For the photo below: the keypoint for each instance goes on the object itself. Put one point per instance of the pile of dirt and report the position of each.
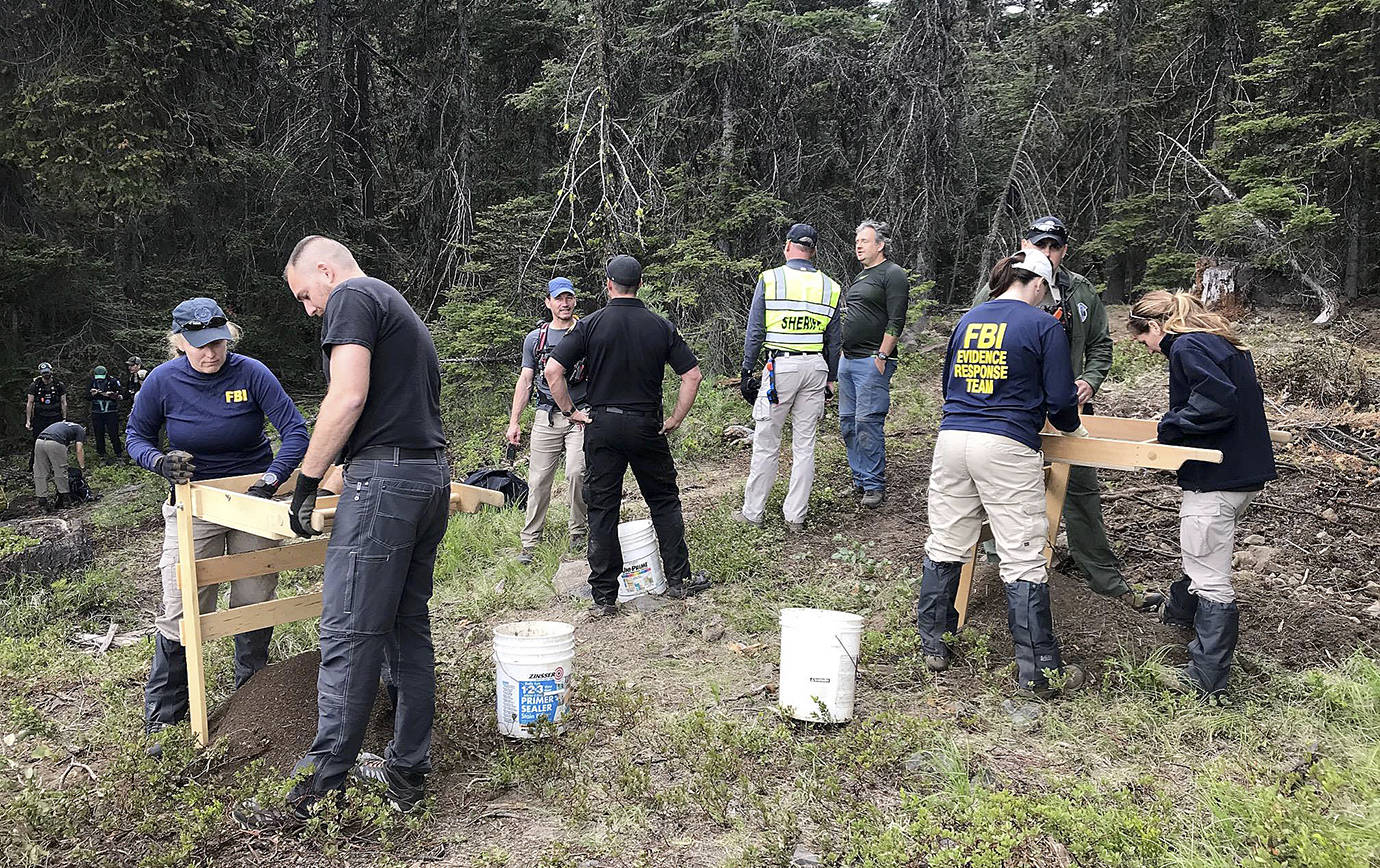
(273, 716)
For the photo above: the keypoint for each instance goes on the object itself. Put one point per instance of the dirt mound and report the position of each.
(273, 716)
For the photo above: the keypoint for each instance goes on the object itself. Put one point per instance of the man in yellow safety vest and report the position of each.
(794, 316)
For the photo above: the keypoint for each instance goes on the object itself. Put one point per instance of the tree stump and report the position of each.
(1217, 286)
(44, 547)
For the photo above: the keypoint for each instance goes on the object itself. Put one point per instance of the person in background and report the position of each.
(50, 461)
(794, 315)
(874, 313)
(1215, 402)
(1005, 373)
(553, 435)
(212, 404)
(1075, 303)
(47, 403)
(134, 379)
(105, 420)
(627, 349)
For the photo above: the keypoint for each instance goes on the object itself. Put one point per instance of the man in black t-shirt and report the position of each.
(382, 415)
(626, 349)
(50, 460)
(47, 403)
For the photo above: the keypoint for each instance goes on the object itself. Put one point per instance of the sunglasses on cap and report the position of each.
(193, 325)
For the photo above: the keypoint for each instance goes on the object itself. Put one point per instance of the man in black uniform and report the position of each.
(135, 380)
(626, 348)
(382, 413)
(47, 404)
(105, 421)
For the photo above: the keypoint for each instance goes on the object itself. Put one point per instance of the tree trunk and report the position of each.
(325, 49)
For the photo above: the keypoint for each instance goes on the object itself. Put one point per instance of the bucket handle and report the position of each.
(851, 658)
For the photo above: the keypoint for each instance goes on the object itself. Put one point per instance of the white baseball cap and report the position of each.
(1038, 264)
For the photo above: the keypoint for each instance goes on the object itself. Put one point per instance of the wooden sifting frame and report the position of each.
(1114, 443)
(224, 502)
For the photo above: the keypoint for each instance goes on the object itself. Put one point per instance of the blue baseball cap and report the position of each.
(560, 285)
(200, 321)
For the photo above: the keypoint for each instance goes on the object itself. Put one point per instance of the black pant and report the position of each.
(105, 425)
(39, 423)
(389, 522)
(614, 442)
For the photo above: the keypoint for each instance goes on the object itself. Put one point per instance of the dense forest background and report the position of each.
(468, 150)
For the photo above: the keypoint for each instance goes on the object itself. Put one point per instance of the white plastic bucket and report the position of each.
(642, 569)
(534, 662)
(819, 655)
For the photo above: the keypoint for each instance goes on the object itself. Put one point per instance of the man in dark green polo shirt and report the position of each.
(1084, 317)
(874, 313)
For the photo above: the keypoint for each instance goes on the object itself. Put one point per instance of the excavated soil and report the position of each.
(273, 716)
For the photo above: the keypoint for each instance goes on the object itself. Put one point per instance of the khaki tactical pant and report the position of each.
(552, 438)
(800, 384)
(50, 460)
(975, 473)
(1207, 529)
(212, 540)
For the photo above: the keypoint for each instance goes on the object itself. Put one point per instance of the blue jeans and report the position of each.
(388, 524)
(864, 399)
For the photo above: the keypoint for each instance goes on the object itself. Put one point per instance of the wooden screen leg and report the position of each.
(191, 615)
(1056, 489)
(965, 585)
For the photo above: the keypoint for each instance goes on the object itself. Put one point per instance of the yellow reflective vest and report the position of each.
(799, 305)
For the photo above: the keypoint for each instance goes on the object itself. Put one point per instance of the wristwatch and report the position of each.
(881, 355)
(271, 478)
(567, 413)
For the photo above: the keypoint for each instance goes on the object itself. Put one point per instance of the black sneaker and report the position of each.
(697, 583)
(251, 816)
(603, 610)
(403, 792)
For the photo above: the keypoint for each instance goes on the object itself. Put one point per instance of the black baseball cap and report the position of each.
(1048, 227)
(624, 270)
(803, 234)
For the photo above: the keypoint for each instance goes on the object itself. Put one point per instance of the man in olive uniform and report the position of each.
(1079, 308)
(47, 404)
(794, 315)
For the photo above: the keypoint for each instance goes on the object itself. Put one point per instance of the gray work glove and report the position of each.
(176, 466)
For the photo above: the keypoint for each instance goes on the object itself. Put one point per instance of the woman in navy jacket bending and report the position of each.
(1215, 402)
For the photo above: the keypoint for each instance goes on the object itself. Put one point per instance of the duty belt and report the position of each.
(622, 411)
(775, 353)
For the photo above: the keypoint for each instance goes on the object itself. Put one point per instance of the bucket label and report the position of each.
(539, 698)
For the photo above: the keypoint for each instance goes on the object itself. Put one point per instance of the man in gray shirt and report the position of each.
(553, 434)
(50, 460)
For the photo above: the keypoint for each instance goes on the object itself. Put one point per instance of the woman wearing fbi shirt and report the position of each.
(1006, 371)
(213, 404)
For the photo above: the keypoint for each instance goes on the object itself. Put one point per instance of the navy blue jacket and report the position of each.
(1006, 370)
(1215, 402)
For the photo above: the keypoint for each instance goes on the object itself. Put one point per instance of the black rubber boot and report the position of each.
(1032, 636)
(251, 654)
(936, 614)
(165, 695)
(1182, 605)
(1217, 626)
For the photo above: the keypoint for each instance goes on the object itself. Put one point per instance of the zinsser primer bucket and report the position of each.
(534, 663)
(642, 569)
(819, 654)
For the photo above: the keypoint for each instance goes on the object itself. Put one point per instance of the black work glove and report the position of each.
(750, 384)
(263, 488)
(304, 504)
(176, 466)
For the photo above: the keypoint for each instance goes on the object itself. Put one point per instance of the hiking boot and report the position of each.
(936, 662)
(935, 613)
(1176, 680)
(151, 729)
(578, 542)
(1148, 602)
(795, 526)
(603, 610)
(251, 816)
(873, 499)
(743, 519)
(1075, 679)
(402, 791)
(679, 590)
(527, 555)
(64, 501)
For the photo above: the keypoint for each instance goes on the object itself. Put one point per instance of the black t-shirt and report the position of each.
(65, 433)
(403, 407)
(873, 307)
(626, 349)
(47, 397)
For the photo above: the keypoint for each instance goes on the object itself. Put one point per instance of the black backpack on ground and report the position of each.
(501, 479)
(78, 490)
